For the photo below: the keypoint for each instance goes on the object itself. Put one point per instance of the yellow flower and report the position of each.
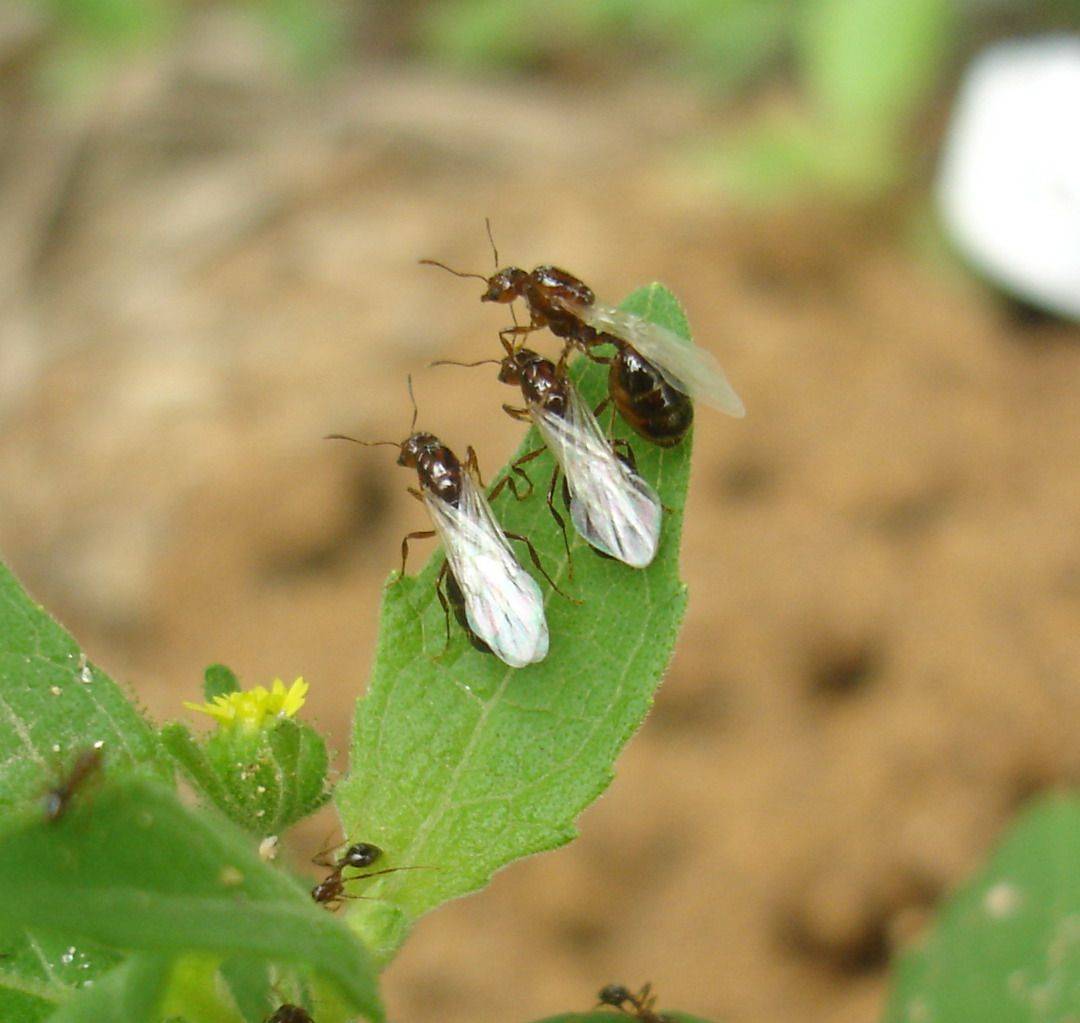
(250, 708)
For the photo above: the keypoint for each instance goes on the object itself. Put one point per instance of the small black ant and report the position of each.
(618, 996)
(330, 891)
(288, 1013)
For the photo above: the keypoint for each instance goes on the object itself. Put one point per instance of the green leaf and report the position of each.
(53, 705)
(219, 680)
(265, 780)
(136, 870)
(40, 971)
(248, 981)
(463, 765)
(130, 992)
(1006, 948)
(870, 61)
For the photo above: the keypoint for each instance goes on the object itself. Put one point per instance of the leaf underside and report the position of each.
(461, 764)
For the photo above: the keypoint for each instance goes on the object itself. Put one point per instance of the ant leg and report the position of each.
(320, 859)
(624, 453)
(521, 414)
(422, 534)
(559, 519)
(536, 561)
(514, 331)
(473, 466)
(416, 493)
(440, 582)
(515, 468)
(598, 411)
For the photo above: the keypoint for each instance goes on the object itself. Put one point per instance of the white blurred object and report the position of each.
(1009, 184)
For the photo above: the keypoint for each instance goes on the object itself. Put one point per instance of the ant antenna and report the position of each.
(491, 238)
(412, 398)
(366, 443)
(456, 273)
(466, 365)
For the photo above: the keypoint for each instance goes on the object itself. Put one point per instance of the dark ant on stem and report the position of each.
(638, 1006)
(289, 1013)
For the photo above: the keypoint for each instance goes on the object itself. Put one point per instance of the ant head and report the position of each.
(289, 1013)
(361, 854)
(505, 285)
(514, 365)
(614, 994)
(414, 446)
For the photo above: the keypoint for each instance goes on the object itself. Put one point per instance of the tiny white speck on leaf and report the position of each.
(1002, 900)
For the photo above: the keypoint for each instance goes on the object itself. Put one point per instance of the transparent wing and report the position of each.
(503, 603)
(686, 367)
(611, 506)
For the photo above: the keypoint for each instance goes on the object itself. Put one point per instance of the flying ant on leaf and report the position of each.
(611, 506)
(653, 374)
(497, 603)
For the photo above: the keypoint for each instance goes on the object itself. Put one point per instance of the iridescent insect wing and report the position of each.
(611, 506)
(686, 367)
(503, 604)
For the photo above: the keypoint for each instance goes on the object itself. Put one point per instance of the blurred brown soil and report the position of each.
(209, 269)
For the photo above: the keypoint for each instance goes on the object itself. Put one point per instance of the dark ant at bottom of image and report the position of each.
(290, 1014)
(638, 1006)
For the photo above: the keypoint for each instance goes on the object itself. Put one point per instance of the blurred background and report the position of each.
(210, 217)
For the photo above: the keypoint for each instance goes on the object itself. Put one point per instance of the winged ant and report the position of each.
(653, 374)
(496, 602)
(611, 506)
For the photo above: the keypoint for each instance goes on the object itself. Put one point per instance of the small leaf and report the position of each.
(130, 992)
(265, 780)
(1006, 948)
(218, 680)
(137, 870)
(463, 765)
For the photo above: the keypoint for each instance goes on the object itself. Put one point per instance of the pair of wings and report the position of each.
(503, 603)
(611, 506)
(689, 369)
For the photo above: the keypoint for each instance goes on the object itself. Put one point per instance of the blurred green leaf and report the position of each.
(873, 60)
(53, 705)
(1006, 947)
(463, 765)
(474, 34)
(136, 870)
(130, 992)
(793, 156)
